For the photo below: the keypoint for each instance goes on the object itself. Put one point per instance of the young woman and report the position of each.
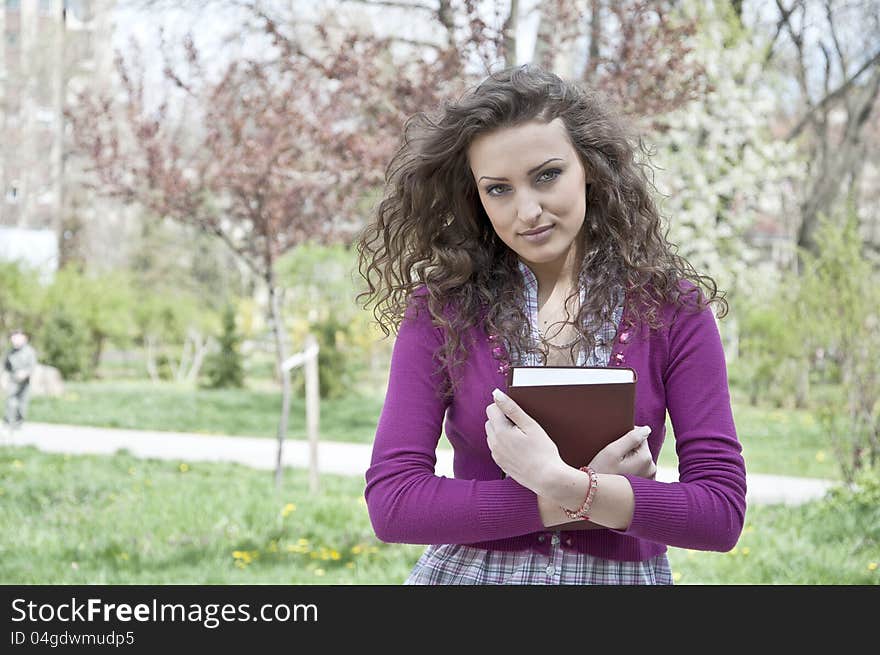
(518, 228)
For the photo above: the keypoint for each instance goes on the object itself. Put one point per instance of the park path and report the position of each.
(333, 456)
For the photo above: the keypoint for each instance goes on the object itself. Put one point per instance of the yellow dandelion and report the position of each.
(18, 464)
(123, 556)
(131, 470)
(319, 572)
(288, 509)
(184, 467)
(746, 550)
(820, 456)
(872, 566)
(314, 555)
(273, 547)
(334, 555)
(676, 577)
(350, 565)
(303, 542)
(357, 550)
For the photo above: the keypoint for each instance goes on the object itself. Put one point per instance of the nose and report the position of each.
(528, 209)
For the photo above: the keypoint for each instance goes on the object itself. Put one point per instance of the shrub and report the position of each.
(65, 343)
(334, 372)
(224, 369)
(837, 311)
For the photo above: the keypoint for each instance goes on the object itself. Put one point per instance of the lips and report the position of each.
(537, 230)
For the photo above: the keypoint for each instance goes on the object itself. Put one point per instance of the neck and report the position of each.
(556, 276)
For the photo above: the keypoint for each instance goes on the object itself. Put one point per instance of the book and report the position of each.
(582, 409)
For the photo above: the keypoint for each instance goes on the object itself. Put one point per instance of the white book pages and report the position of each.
(550, 376)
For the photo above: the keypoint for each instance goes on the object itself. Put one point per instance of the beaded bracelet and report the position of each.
(584, 511)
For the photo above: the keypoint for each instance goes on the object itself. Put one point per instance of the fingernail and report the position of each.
(646, 429)
(497, 394)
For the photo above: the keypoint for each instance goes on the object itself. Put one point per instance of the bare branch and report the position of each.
(391, 3)
(783, 19)
(829, 15)
(798, 39)
(834, 95)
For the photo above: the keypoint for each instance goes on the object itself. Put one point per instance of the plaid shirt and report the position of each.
(460, 564)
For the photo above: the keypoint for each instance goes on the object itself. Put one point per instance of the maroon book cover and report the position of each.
(579, 407)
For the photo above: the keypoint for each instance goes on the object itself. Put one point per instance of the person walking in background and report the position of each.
(19, 361)
(518, 228)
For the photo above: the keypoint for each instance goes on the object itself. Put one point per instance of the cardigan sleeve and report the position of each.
(406, 501)
(705, 509)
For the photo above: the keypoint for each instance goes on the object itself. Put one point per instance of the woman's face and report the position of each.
(532, 185)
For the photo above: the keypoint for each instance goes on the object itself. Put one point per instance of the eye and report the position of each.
(552, 172)
(490, 189)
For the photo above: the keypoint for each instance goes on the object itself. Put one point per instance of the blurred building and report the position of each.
(50, 50)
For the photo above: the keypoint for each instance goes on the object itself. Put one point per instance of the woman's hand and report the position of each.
(628, 455)
(520, 446)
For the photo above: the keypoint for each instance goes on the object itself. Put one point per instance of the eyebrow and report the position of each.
(530, 171)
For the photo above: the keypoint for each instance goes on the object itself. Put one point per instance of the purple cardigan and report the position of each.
(680, 368)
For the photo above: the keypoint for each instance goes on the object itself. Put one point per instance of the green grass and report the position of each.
(775, 441)
(121, 520)
(832, 541)
(177, 408)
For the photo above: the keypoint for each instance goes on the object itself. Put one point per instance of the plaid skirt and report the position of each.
(458, 564)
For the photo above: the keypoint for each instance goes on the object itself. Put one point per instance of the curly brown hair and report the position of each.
(432, 231)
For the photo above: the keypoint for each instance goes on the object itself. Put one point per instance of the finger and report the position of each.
(513, 411)
(496, 416)
(633, 439)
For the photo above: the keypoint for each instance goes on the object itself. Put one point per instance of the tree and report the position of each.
(279, 154)
(832, 50)
(639, 52)
(721, 168)
(100, 303)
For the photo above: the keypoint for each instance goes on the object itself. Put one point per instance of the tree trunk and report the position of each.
(201, 347)
(99, 349)
(280, 357)
(183, 363)
(595, 39)
(152, 369)
(544, 50)
(510, 27)
(842, 162)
